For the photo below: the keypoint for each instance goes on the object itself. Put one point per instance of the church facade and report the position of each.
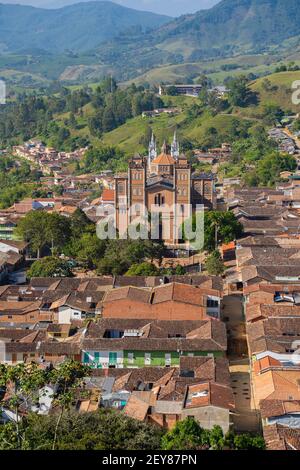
(165, 185)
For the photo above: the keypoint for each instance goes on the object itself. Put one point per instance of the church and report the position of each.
(161, 182)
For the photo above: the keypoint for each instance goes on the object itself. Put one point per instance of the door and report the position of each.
(86, 358)
(112, 360)
(168, 359)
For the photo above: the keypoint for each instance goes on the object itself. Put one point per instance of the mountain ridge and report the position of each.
(78, 27)
(230, 28)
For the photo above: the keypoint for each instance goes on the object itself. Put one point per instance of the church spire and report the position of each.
(152, 152)
(175, 150)
(164, 148)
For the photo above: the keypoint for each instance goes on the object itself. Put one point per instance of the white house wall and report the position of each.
(66, 314)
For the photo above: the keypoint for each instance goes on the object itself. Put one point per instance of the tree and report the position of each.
(25, 382)
(88, 249)
(179, 270)
(220, 227)
(58, 230)
(239, 93)
(216, 438)
(43, 229)
(104, 429)
(244, 441)
(270, 167)
(186, 435)
(143, 269)
(68, 377)
(33, 228)
(120, 255)
(214, 264)
(50, 266)
(189, 435)
(296, 125)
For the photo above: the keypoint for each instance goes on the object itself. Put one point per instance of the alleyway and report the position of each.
(246, 418)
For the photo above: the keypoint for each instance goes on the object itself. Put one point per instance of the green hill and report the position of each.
(78, 27)
(132, 136)
(275, 89)
(232, 27)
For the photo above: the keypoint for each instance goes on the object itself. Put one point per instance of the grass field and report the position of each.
(131, 136)
(276, 90)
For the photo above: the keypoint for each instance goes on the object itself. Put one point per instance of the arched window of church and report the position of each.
(163, 201)
(207, 188)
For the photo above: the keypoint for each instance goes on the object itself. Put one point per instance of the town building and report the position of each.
(163, 185)
(187, 90)
(113, 343)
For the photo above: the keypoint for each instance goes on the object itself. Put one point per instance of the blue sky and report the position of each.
(167, 7)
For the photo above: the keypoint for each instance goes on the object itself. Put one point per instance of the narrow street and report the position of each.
(246, 417)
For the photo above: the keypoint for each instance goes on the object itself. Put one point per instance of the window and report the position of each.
(147, 359)
(207, 189)
(158, 200)
(130, 358)
(97, 357)
(212, 303)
